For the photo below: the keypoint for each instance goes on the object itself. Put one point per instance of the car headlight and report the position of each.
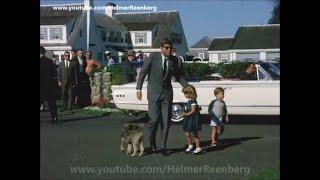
(177, 110)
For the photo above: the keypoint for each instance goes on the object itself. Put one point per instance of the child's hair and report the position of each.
(190, 89)
(218, 90)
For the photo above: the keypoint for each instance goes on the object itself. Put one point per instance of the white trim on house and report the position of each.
(198, 49)
(146, 12)
(148, 38)
(58, 48)
(147, 49)
(260, 25)
(223, 37)
(48, 27)
(245, 50)
(254, 50)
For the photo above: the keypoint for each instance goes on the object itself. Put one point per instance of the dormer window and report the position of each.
(55, 33)
(43, 33)
(141, 38)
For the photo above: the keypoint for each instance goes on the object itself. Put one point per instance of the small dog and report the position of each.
(132, 135)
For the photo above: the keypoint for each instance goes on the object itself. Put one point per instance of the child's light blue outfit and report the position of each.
(217, 111)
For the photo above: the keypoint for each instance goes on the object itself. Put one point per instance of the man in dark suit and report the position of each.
(48, 84)
(128, 73)
(67, 76)
(83, 90)
(160, 67)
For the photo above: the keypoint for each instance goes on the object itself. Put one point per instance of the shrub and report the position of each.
(232, 70)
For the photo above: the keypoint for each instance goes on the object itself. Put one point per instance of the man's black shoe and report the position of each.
(164, 152)
(151, 150)
(55, 120)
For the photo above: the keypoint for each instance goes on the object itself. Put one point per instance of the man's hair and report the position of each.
(165, 41)
(42, 50)
(251, 64)
(66, 52)
(74, 50)
(79, 50)
(190, 89)
(218, 90)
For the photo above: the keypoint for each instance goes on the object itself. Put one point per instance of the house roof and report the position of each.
(164, 20)
(257, 37)
(49, 16)
(203, 43)
(108, 22)
(138, 26)
(220, 44)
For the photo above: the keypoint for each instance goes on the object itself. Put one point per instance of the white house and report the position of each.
(200, 49)
(254, 42)
(147, 29)
(63, 30)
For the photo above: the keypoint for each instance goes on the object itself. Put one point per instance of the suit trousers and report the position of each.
(159, 112)
(67, 96)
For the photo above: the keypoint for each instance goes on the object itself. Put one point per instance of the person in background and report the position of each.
(249, 74)
(180, 59)
(91, 66)
(139, 62)
(83, 89)
(91, 63)
(73, 53)
(110, 60)
(48, 84)
(67, 77)
(128, 74)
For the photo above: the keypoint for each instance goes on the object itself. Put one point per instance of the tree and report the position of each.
(275, 18)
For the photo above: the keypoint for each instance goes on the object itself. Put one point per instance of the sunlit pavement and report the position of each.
(93, 144)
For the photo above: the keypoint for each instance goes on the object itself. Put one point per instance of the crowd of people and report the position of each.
(73, 75)
(73, 78)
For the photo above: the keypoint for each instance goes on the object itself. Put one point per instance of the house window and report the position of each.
(44, 33)
(119, 37)
(141, 38)
(111, 37)
(224, 57)
(100, 56)
(201, 55)
(103, 35)
(55, 33)
(80, 33)
(127, 38)
(176, 38)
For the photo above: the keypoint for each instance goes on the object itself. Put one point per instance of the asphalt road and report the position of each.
(93, 144)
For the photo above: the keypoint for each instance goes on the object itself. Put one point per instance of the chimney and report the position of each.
(109, 9)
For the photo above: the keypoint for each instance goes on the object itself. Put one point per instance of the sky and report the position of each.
(212, 18)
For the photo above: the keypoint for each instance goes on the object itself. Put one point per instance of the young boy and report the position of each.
(218, 112)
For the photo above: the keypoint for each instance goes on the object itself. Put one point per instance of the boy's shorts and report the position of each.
(216, 122)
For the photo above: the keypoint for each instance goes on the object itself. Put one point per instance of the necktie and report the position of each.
(165, 66)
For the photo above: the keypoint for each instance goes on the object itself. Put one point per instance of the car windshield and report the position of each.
(272, 69)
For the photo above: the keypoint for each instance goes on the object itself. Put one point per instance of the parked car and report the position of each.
(259, 97)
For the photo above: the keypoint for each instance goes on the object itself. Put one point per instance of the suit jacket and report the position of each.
(127, 72)
(81, 73)
(68, 75)
(47, 74)
(158, 82)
